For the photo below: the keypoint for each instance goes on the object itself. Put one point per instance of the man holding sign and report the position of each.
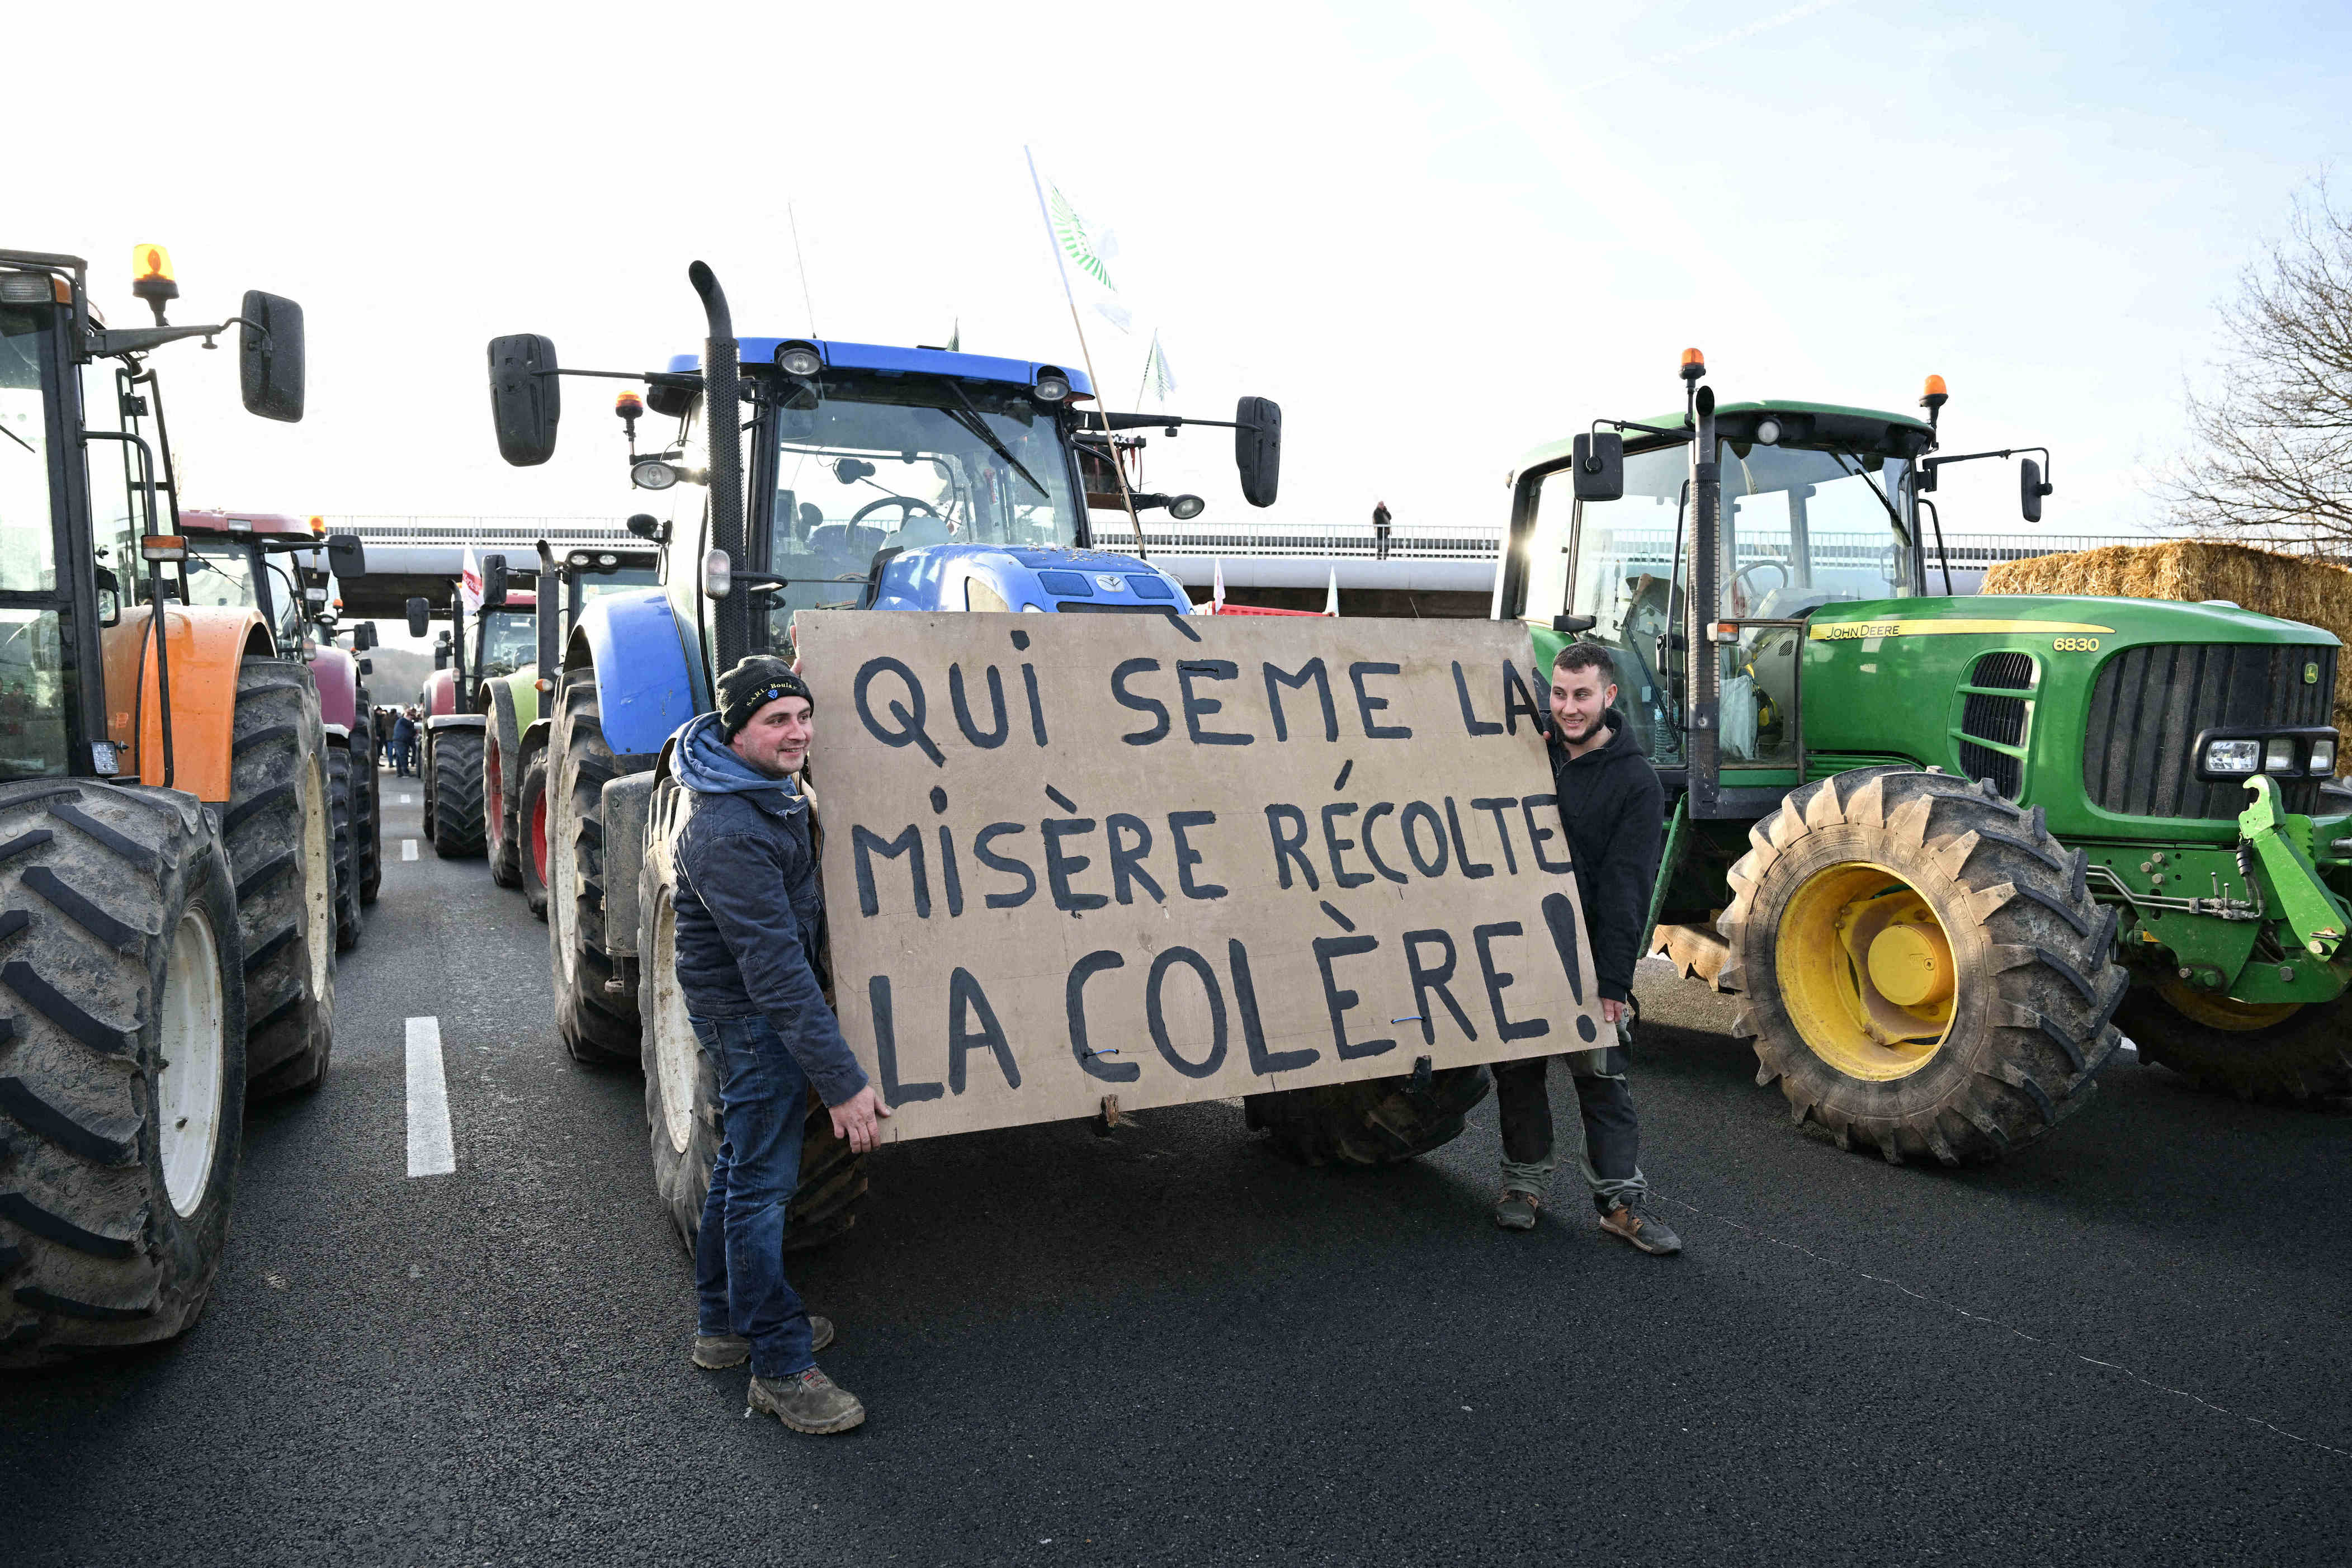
(1611, 802)
(750, 918)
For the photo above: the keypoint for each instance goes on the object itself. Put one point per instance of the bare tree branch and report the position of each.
(2273, 459)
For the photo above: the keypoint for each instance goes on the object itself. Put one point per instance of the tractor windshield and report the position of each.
(1801, 529)
(33, 690)
(509, 641)
(868, 463)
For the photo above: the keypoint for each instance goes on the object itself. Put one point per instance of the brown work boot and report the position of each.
(1648, 1232)
(807, 1402)
(717, 1353)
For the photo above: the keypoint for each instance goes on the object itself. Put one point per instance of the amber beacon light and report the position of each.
(1694, 364)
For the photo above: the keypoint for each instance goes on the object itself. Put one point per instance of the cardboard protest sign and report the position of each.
(1173, 859)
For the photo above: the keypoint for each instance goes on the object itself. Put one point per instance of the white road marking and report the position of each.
(430, 1150)
(408, 800)
(408, 848)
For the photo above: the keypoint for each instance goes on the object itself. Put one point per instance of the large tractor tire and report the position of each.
(682, 1106)
(1922, 965)
(282, 851)
(502, 839)
(344, 789)
(1373, 1122)
(366, 761)
(530, 812)
(122, 1066)
(420, 751)
(456, 794)
(2284, 1052)
(596, 1008)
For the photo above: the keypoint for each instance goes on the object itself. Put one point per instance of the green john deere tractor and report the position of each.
(1940, 845)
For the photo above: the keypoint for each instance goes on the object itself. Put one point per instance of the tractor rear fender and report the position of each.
(534, 738)
(336, 674)
(627, 801)
(499, 708)
(206, 644)
(647, 668)
(456, 722)
(440, 693)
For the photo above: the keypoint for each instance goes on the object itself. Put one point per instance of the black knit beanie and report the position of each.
(751, 686)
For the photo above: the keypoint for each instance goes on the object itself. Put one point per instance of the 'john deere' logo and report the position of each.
(2311, 675)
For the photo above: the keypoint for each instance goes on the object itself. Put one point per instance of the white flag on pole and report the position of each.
(1331, 599)
(1217, 588)
(1089, 253)
(469, 585)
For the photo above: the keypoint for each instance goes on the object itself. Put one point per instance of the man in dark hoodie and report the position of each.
(1613, 810)
(750, 925)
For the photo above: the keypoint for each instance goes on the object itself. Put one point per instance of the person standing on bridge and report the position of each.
(751, 923)
(1614, 809)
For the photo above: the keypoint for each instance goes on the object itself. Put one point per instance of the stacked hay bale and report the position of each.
(2292, 587)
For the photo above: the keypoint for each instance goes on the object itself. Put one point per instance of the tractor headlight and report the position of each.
(1767, 432)
(798, 359)
(652, 474)
(1051, 385)
(2278, 755)
(2233, 756)
(2323, 758)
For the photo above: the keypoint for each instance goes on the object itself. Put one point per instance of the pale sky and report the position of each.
(1437, 233)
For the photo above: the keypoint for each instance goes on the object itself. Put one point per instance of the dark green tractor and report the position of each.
(1942, 846)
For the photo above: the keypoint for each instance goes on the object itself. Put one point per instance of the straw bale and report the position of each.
(2292, 587)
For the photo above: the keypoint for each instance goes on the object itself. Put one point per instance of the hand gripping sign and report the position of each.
(1184, 858)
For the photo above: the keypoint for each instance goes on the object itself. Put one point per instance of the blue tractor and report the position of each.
(876, 478)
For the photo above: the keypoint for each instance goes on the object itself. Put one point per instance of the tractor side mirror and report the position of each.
(269, 355)
(2030, 489)
(346, 556)
(364, 636)
(1257, 448)
(1600, 460)
(420, 617)
(494, 582)
(646, 525)
(525, 400)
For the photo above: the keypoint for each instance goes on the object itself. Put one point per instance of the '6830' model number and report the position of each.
(2075, 645)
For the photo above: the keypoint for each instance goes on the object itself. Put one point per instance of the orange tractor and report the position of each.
(167, 929)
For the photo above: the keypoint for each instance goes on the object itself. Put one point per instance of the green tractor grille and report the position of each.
(2000, 720)
(2149, 704)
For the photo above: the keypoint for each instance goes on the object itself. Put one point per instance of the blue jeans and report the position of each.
(738, 1271)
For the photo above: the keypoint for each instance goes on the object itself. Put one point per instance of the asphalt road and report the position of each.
(2130, 1344)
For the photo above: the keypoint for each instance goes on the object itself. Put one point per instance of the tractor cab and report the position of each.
(257, 560)
(877, 477)
(1807, 507)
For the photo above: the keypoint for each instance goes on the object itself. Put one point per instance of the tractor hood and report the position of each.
(2050, 615)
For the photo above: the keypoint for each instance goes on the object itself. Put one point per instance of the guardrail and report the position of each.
(1438, 542)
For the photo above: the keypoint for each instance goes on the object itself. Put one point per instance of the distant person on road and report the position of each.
(1613, 808)
(403, 741)
(750, 925)
(382, 719)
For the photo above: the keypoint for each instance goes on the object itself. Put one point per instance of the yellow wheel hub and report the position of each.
(2222, 1013)
(1865, 969)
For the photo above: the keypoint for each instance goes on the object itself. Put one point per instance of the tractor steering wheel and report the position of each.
(908, 508)
(1739, 598)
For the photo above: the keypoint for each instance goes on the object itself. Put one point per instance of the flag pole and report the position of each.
(1062, 269)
